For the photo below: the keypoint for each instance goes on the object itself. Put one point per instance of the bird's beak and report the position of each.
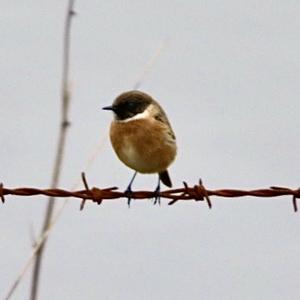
(108, 108)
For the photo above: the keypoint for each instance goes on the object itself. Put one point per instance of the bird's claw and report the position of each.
(157, 195)
(128, 194)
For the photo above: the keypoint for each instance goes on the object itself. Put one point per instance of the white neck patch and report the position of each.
(144, 115)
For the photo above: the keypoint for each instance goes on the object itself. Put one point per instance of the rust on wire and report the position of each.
(95, 194)
(198, 193)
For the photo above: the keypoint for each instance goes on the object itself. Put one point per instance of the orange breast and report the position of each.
(143, 145)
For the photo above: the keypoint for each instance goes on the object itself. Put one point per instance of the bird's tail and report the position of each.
(165, 178)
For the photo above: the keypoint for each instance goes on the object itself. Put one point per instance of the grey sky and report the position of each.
(228, 78)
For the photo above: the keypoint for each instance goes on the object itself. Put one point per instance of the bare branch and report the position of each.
(65, 97)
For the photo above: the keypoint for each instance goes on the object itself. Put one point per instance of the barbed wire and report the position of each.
(196, 192)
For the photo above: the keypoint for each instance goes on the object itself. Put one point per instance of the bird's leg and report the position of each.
(157, 193)
(128, 191)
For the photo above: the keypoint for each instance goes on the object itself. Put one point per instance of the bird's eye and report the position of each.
(131, 105)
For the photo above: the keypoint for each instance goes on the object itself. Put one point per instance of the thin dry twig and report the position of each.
(65, 96)
(149, 65)
(197, 192)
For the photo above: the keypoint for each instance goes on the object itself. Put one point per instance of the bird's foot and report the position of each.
(128, 191)
(157, 195)
(128, 194)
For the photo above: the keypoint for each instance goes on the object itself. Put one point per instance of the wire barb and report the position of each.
(1, 193)
(201, 188)
(94, 194)
(86, 188)
(295, 204)
(296, 195)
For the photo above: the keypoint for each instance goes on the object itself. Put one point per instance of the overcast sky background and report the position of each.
(228, 78)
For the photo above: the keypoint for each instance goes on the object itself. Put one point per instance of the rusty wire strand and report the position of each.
(197, 192)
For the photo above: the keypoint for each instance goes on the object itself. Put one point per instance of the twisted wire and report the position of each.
(197, 192)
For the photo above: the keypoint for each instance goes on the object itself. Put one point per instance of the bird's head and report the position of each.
(130, 104)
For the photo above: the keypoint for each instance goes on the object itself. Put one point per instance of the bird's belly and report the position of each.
(138, 161)
(144, 151)
(144, 162)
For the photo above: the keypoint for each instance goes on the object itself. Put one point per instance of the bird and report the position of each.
(142, 137)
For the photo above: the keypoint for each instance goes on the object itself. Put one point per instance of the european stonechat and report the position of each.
(142, 137)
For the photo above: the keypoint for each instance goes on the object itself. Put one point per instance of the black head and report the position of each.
(129, 104)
